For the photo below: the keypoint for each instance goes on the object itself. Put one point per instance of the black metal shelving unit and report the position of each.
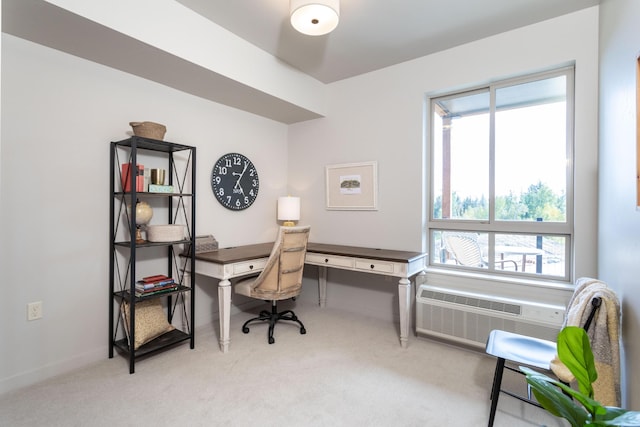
(181, 208)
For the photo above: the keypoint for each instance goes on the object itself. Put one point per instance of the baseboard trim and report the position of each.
(27, 378)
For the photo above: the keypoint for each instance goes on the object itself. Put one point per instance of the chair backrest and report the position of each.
(464, 247)
(282, 276)
(580, 309)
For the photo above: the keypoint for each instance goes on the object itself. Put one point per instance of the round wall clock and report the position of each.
(234, 181)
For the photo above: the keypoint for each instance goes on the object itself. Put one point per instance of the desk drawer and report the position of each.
(249, 266)
(329, 260)
(374, 266)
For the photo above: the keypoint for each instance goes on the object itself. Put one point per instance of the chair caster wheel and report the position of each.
(245, 329)
(303, 331)
(271, 340)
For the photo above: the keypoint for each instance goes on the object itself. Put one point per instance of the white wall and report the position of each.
(379, 116)
(619, 233)
(59, 114)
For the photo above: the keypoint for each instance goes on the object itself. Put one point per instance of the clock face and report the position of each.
(234, 181)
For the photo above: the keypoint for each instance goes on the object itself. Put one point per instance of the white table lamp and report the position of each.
(288, 210)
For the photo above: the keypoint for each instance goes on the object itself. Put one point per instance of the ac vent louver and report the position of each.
(472, 302)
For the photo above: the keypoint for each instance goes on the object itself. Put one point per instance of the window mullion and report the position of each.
(492, 154)
(492, 175)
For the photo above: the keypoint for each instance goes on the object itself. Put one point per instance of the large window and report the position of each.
(501, 177)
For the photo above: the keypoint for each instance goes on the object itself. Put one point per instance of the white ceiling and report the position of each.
(373, 34)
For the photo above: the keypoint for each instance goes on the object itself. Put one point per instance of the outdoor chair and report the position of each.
(466, 251)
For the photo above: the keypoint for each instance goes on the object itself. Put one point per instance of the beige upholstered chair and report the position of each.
(281, 278)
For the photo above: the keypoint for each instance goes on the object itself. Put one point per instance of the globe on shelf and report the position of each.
(144, 213)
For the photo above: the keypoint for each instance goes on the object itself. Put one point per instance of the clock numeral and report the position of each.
(227, 163)
(218, 180)
(238, 203)
(237, 161)
(228, 199)
(246, 200)
(221, 192)
(222, 170)
(252, 172)
(251, 193)
(255, 183)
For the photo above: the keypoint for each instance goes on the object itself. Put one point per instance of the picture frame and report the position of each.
(352, 186)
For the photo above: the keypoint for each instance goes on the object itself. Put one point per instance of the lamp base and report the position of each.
(288, 224)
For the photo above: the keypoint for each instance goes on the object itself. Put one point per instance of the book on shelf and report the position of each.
(151, 285)
(157, 188)
(147, 178)
(126, 177)
(152, 281)
(157, 290)
(156, 278)
(155, 284)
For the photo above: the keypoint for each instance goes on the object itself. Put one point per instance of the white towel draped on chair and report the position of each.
(603, 335)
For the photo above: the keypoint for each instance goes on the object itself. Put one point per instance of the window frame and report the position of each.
(492, 226)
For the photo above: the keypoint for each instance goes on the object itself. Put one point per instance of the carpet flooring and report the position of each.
(348, 370)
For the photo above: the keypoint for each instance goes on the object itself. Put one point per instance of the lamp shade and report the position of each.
(314, 17)
(288, 208)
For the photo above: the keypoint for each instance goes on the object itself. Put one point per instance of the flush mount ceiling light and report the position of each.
(315, 18)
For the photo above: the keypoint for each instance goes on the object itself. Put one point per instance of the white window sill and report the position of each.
(525, 288)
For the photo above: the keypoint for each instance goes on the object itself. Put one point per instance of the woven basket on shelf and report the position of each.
(165, 232)
(148, 130)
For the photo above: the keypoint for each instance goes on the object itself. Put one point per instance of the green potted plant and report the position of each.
(577, 406)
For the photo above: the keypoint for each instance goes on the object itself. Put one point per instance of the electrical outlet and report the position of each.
(34, 310)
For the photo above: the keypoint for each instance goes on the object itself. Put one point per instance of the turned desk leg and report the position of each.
(224, 313)
(404, 298)
(322, 285)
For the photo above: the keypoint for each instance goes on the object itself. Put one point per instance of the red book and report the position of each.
(126, 178)
(156, 278)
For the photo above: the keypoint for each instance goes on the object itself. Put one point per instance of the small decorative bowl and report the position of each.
(165, 233)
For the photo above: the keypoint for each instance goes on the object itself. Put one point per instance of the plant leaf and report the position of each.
(574, 350)
(618, 417)
(551, 398)
(590, 405)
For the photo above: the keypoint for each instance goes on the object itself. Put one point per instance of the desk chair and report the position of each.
(588, 297)
(281, 278)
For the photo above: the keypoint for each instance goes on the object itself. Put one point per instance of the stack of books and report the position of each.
(155, 284)
(126, 177)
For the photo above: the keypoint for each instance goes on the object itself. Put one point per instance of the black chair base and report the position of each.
(274, 317)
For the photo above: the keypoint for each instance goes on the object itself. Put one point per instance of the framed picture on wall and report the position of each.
(352, 186)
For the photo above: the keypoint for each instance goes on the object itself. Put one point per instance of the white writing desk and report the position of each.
(228, 263)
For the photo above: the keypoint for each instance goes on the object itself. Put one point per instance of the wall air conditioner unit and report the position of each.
(468, 317)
